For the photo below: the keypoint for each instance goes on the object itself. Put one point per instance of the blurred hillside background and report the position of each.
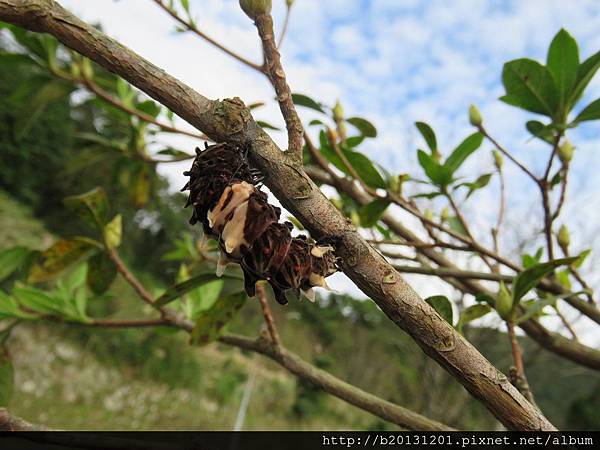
(86, 378)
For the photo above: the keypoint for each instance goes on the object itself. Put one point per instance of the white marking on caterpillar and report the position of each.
(241, 193)
(233, 232)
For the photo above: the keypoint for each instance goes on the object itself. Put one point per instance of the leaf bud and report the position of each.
(503, 302)
(498, 159)
(565, 152)
(254, 8)
(475, 116)
(564, 237)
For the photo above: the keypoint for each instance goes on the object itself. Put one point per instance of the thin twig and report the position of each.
(130, 277)
(506, 153)
(462, 274)
(566, 323)
(264, 25)
(520, 381)
(496, 229)
(193, 28)
(286, 21)
(437, 244)
(268, 315)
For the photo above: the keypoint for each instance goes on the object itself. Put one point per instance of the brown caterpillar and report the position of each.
(232, 209)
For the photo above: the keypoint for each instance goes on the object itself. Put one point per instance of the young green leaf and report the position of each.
(504, 302)
(113, 231)
(530, 86)
(585, 73)
(541, 131)
(38, 301)
(267, 125)
(462, 152)
(9, 308)
(149, 107)
(203, 298)
(563, 63)
(307, 102)
(590, 112)
(365, 127)
(481, 182)
(471, 313)
(210, 324)
(438, 174)
(428, 134)
(371, 212)
(581, 258)
(443, 307)
(529, 278)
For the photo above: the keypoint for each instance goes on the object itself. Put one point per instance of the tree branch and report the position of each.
(276, 74)
(230, 121)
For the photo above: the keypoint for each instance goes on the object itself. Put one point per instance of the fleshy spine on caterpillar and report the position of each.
(228, 202)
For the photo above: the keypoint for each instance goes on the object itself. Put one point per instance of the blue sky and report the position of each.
(393, 62)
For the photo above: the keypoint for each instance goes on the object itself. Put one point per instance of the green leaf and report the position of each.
(307, 102)
(210, 324)
(581, 258)
(186, 5)
(7, 375)
(365, 127)
(456, 225)
(541, 131)
(471, 313)
(429, 195)
(203, 298)
(38, 301)
(428, 134)
(590, 112)
(9, 308)
(563, 63)
(442, 305)
(113, 231)
(504, 303)
(12, 259)
(534, 308)
(149, 107)
(438, 174)
(371, 212)
(91, 206)
(529, 278)
(585, 73)
(267, 126)
(462, 152)
(484, 298)
(354, 141)
(365, 169)
(174, 152)
(179, 289)
(101, 273)
(60, 256)
(481, 182)
(529, 86)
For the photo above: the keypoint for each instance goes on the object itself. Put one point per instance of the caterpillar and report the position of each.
(229, 204)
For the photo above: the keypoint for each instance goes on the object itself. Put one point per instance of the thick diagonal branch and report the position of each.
(230, 121)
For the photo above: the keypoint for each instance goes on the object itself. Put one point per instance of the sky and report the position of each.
(393, 62)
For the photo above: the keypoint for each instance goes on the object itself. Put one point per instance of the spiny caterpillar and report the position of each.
(232, 209)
